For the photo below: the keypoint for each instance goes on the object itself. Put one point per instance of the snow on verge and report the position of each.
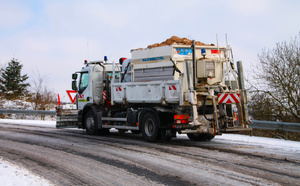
(38, 123)
(11, 174)
(263, 142)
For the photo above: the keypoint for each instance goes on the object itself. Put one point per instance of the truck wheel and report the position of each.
(90, 123)
(200, 137)
(150, 129)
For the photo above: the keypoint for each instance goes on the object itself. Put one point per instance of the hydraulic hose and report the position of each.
(204, 110)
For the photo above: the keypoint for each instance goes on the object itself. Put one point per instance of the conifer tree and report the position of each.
(12, 83)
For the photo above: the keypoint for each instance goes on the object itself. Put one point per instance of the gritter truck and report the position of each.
(159, 92)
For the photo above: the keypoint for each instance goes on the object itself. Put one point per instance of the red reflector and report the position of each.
(180, 117)
(181, 121)
(185, 121)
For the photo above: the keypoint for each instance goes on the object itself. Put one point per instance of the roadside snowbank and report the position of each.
(11, 174)
(263, 142)
(38, 123)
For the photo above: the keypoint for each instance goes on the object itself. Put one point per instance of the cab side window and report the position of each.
(84, 80)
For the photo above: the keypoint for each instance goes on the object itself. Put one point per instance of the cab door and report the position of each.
(90, 89)
(84, 90)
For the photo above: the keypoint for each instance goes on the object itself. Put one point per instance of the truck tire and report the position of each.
(200, 137)
(90, 123)
(150, 127)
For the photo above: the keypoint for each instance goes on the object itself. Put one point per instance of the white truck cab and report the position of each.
(91, 82)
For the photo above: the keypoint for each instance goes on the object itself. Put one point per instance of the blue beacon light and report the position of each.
(203, 52)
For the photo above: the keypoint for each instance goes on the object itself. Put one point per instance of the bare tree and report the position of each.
(277, 86)
(42, 97)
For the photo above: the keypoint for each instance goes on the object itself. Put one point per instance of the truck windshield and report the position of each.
(84, 80)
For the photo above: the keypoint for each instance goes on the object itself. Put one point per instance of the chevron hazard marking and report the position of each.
(228, 98)
(172, 87)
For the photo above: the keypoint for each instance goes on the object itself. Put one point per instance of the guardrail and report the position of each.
(28, 112)
(272, 125)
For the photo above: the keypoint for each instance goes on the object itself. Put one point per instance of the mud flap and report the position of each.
(99, 120)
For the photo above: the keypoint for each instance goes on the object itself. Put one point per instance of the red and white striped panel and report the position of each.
(118, 89)
(172, 87)
(104, 95)
(228, 98)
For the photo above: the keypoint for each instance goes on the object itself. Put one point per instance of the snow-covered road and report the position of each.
(227, 159)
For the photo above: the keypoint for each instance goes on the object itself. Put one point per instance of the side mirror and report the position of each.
(74, 76)
(74, 85)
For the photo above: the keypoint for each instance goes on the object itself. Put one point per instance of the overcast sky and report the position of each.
(54, 37)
